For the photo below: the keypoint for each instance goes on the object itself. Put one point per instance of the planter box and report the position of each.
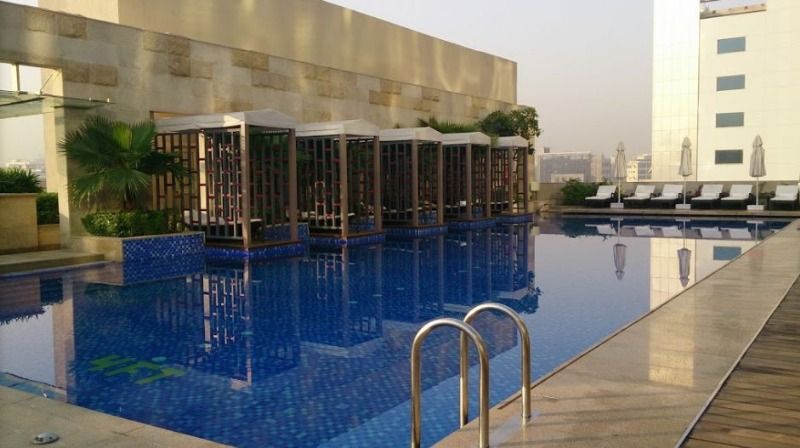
(49, 237)
(142, 248)
(18, 232)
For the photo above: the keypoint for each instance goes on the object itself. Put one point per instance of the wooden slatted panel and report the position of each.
(759, 405)
(501, 180)
(455, 180)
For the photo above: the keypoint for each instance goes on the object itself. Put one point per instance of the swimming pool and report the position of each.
(313, 351)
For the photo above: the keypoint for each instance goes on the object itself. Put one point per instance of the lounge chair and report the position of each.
(739, 233)
(641, 196)
(604, 195)
(712, 233)
(739, 196)
(670, 195)
(709, 195)
(671, 232)
(643, 231)
(785, 196)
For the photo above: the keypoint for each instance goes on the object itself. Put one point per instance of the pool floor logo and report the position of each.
(147, 372)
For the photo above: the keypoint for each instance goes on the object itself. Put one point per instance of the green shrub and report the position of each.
(130, 223)
(16, 180)
(574, 192)
(47, 208)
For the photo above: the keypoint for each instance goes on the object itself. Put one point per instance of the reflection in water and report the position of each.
(256, 354)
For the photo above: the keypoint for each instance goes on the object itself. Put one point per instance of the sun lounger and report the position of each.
(643, 231)
(604, 195)
(709, 195)
(709, 233)
(641, 196)
(785, 196)
(740, 195)
(671, 232)
(603, 229)
(670, 195)
(739, 233)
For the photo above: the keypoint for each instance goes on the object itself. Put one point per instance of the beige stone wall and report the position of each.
(316, 32)
(18, 231)
(143, 72)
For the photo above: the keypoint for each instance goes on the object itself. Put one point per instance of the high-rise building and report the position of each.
(563, 166)
(640, 168)
(724, 72)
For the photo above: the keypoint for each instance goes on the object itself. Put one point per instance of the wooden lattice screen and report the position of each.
(210, 198)
(397, 170)
(501, 179)
(320, 183)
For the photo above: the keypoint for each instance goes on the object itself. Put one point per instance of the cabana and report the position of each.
(510, 273)
(339, 178)
(509, 191)
(467, 176)
(412, 174)
(241, 177)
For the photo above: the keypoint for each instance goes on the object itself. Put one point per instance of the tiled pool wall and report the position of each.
(162, 247)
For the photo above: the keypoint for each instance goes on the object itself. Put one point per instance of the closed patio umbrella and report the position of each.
(620, 170)
(684, 268)
(685, 169)
(619, 255)
(757, 167)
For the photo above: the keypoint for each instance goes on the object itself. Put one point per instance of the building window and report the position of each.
(731, 45)
(733, 82)
(730, 119)
(726, 253)
(725, 156)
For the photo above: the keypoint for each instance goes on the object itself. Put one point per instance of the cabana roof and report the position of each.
(407, 134)
(515, 141)
(332, 128)
(464, 138)
(267, 118)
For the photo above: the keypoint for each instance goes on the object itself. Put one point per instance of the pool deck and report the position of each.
(24, 415)
(46, 259)
(759, 405)
(712, 213)
(647, 384)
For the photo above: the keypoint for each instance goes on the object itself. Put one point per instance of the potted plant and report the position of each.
(117, 162)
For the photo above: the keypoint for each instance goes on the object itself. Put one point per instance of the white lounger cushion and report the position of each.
(670, 191)
(786, 193)
(709, 192)
(642, 192)
(603, 192)
(739, 192)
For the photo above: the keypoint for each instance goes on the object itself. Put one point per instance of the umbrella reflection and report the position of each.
(619, 255)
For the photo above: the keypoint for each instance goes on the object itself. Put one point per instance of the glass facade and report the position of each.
(733, 82)
(731, 45)
(730, 119)
(723, 156)
(676, 42)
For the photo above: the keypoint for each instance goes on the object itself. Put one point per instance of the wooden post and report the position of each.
(469, 181)
(414, 183)
(343, 186)
(487, 210)
(526, 180)
(244, 164)
(511, 178)
(377, 213)
(440, 183)
(293, 232)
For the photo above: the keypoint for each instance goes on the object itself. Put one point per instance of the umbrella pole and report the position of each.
(684, 190)
(756, 191)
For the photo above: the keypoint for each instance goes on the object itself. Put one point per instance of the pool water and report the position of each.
(314, 350)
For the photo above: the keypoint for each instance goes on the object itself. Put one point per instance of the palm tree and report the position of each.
(117, 161)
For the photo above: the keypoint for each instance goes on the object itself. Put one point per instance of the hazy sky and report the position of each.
(584, 64)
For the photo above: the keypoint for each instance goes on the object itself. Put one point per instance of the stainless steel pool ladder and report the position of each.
(468, 332)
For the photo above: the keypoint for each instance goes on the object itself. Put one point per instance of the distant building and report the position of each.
(563, 166)
(640, 168)
(724, 72)
(36, 167)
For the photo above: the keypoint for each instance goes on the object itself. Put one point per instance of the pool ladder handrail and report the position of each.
(468, 332)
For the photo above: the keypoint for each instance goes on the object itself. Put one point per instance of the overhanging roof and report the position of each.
(463, 138)
(20, 104)
(267, 118)
(330, 128)
(514, 141)
(408, 134)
